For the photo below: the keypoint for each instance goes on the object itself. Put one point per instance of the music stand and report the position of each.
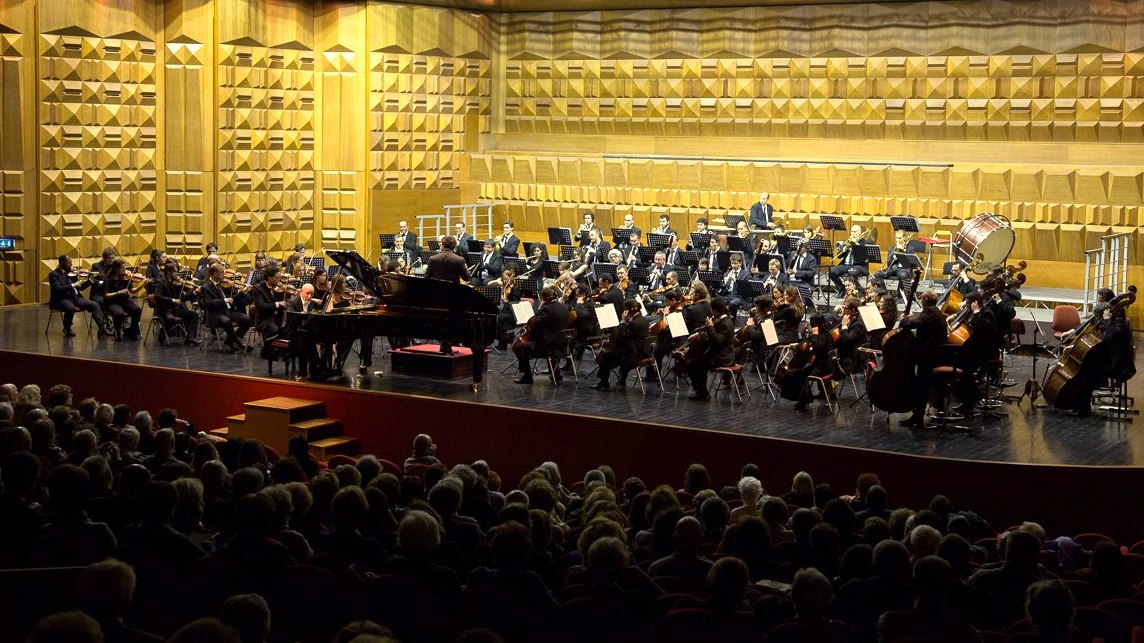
(566, 253)
(819, 247)
(917, 247)
(492, 293)
(256, 276)
(620, 235)
(908, 261)
(758, 287)
(658, 241)
(473, 258)
(866, 253)
(639, 275)
(601, 269)
(762, 262)
(711, 279)
(331, 270)
(386, 240)
(306, 279)
(832, 222)
(474, 245)
(700, 239)
(529, 288)
(690, 258)
(909, 224)
(551, 268)
(560, 236)
(787, 244)
(735, 243)
(517, 264)
(647, 254)
(434, 245)
(732, 220)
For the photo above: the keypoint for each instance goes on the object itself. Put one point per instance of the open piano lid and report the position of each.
(412, 292)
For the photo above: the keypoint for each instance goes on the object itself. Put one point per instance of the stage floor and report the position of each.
(1024, 433)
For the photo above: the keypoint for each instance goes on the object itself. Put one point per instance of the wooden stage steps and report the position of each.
(275, 420)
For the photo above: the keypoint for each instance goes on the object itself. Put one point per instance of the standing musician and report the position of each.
(979, 349)
(404, 238)
(626, 347)
(597, 248)
(731, 279)
(534, 265)
(717, 350)
(118, 302)
(629, 227)
(171, 297)
(490, 267)
(626, 285)
(893, 267)
(542, 336)
(932, 333)
(586, 228)
(851, 335)
(744, 232)
(762, 213)
(65, 296)
(664, 226)
(631, 250)
(847, 263)
(220, 311)
(269, 298)
(462, 235)
(447, 266)
(506, 320)
(509, 242)
(812, 358)
(610, 293)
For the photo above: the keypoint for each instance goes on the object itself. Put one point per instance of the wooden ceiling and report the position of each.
(627, 5)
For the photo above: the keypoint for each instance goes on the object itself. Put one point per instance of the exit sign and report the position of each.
(7, 243)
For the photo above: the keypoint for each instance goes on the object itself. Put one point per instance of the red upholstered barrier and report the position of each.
(1065, 499)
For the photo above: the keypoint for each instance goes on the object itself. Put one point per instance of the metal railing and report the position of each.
(473, 215)
(1106, 267)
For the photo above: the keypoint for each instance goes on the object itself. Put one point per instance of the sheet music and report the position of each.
(871, 317)
(643, 309)
(770, 336)
(522, 310)
(677, 326)
(606, 316)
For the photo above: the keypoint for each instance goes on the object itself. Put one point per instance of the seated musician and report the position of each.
(583, 233)
(748, 241)
(260, 260)
(775, 277)
(629, 227)
(802, 265)
(714, 247)
(701, 225)
(851, 336)
(1114, 357)
(102, 269)
(610, 293)
(888, 309)
(534, 265)
(171, 296)
(615, 256)
(812, 358)
(579, 265)
(960, 279)
(630, 251)
(506, 319)
(269, 302)
(848, 261)
(732, 279)
(893, 267)
(155, 268)
(626, 346)
(296, 328)
(220, 312)
(697, 306)
(321, 287)
(447, 266)
(979, 348)
(509, 242)
(543, 334)
(204, 263)
(657, 275)
(664, 342)
(931, 333)
(751, 335)
(672, 255)
(629, 287)
(118, 302)
(664, 226)
(65, 296)
(203, 271)
(490, 266)
(586, 324)
(715, 350)
(788, 314)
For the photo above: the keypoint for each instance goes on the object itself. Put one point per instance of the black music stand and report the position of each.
(647, 255)
(433, 245)
(866, 253)
(566, 252)
(474, 245)
(551, 269)
(560, 236)
(832, 222)
(620, 235)
(473, 258)
(690, 258)
(256, 276)
(492, 293)
(639, 275)
(758, 287)
(711, 279)
(386, 240)
(601, 269)
(909, 224)
(819, 247)
(517, 264)
(917, 247)
(658, 241)
(700, 239)
(732, 220)
(787, 244)
(762, 261)
(735, 244)
(529, 288)
(314, 262)
(331, 270)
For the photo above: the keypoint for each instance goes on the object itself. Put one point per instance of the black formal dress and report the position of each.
(715, 350)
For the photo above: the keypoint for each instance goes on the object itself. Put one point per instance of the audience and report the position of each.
(166, 522)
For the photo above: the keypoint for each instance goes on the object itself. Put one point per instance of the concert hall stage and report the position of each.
(1026, 465)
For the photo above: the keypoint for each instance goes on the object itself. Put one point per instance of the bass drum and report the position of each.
(988, 237)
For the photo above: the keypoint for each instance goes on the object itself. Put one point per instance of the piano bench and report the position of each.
(278, 349)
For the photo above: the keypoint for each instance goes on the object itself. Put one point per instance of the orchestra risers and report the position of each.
(427, 360)
(342, 445)
(317, 429)
(269, 419)
(218, 435)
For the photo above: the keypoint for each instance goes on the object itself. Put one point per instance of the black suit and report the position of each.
(170, 307)
(761, 216)
(410, 240)
(509, 245)
(674, 258)
(932, 333)
(447, 266)
(463, 243)
(615, 297)
(489, 269)
(544, 333)
(626, 249)
(599, 253)
(627, 349)
(65, 297)
(267, 314)
(221, 315)
(849, 265)
(716, 351)
(781, 280)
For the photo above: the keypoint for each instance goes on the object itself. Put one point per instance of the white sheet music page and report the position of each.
(677, 326)
(606, 316)
(871, 317)
(770, 336)
(522, 310)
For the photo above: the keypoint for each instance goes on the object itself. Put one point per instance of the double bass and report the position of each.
(1062, 384)
(888, 385)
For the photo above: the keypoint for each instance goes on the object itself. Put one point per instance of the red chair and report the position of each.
(1097, 623)
(338, 460)
(1065, 318)
(388, 466)
(1088, 540)
(272, 455)
(676, 585)
(1127, 610)
(1084, 593)
(417, 470)
(590, 619)
(697, 625)
(1134, 568)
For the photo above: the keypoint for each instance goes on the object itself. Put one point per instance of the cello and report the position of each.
(1061, 387)
(888, 385)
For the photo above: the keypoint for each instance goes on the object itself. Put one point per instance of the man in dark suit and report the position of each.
(610, 293)
(932, 333)
(597, 249)
(628, 345)
(731, 279)
(220, 312)
(268, 306)
(631, 250)
(979, 349)
(447, 265)
(716, 351)
(850, 263)
(404, 238)
(762, 213)
(171, 295)
(204, 263)
(803, 264)
(543, 334)
(509, 242)
(664, 226)
(65, 297)
(461, 232)
(490, 267)
(629, 228)
(673, 255)
(775, 277)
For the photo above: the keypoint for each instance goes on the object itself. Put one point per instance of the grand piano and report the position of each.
(407, 306)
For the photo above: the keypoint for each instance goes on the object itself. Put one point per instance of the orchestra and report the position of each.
(974, 315)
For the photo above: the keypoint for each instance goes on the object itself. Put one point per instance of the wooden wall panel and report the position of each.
(19, 268)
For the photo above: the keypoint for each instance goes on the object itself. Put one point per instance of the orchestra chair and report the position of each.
(730, 373)
(826, 382)
(763, 371)
(158, 327)
(217, 336)
(1120, 402)
(1065, 318)
(647, 362)
(945, 374)
(563, 349)
(53, 311)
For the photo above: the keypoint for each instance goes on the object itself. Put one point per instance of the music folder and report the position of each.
(522, 310)
(871, 317)
(606, 316)
(770, 336)
(677, 326)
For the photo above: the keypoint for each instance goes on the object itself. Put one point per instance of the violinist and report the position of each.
(626, 348)
(719, 332)
(579, 265)
(543, 334)
(979, 348)
(851, 336)
(788, 314)
(670, 282)
(762, 213)
(1115, 356)
(171, 297)
(220, 311)
(812, 358)
(509, 242)
(697, 306)
(155, 268)
(750, 336)
(66, 297)
(321, 287)
(628, 287)
(729, 289)
(101, 269)
(931, 332)
(610, 293)
(269, 297)
(490, 266)
(117, 299)
(631, 250)
(260, 260)
(583, 233)
(597, 248)
(848, 261)
(664, 343)
(506, 320)
(894, 268)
